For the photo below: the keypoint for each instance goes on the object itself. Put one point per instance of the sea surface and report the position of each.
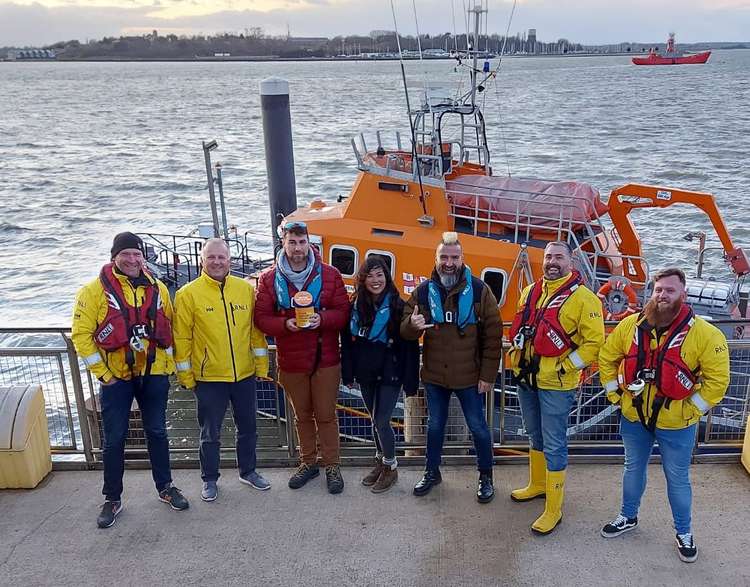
(91, 149)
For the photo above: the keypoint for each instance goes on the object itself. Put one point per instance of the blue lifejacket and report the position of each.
(281, 284)
(466, 301)
(378, 332)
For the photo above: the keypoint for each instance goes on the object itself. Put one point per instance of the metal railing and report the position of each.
(175, 259)
(46, 356)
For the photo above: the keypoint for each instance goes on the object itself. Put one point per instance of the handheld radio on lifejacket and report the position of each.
(138, 333)
(525, 333)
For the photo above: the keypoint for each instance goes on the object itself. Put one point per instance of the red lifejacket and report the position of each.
(662, 366)
(124, 322)
(542, 325)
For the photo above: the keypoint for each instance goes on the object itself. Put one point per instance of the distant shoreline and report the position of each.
(274, 59)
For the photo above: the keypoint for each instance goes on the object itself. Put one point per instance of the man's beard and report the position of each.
(450, 279)
(546, 268)
(661, 316)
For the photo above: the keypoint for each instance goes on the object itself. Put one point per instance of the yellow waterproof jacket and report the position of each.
(581, 316)
(704, 350)
(214, 335)
(90, 311)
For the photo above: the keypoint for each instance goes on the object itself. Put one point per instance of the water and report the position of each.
(90, 149)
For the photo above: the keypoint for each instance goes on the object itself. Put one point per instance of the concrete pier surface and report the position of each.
(48, 536)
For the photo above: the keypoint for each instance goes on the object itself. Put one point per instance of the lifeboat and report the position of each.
(407, 194)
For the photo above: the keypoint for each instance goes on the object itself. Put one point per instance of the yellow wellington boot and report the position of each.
(552, 515)
(537, 477)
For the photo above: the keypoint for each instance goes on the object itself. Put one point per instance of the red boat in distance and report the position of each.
(671, 56)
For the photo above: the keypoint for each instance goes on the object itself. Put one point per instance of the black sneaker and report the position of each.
(334, 480)
(618, 526)
(302, 475)
(485, 488)
(109, 512)
(174, 498)
(686, 547)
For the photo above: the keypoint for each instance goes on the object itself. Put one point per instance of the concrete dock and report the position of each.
(48, 536)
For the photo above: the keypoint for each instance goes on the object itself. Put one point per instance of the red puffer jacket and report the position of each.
(298, 351)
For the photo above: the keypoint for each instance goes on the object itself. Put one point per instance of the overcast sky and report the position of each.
(37, 22)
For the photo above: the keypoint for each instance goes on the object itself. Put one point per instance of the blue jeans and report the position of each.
(472, 405)
(676, 448)
(545, 417)
(116, 399)
(213, 399)
(380, 401)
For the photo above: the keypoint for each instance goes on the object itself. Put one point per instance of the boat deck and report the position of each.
(307, 537)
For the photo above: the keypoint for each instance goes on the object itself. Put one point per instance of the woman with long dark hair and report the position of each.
(374, 355)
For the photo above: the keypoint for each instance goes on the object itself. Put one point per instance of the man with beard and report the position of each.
(308, 354)
(557, 331)
(458, 315)
(666, 367)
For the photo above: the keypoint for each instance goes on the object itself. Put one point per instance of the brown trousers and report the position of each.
(313, 398)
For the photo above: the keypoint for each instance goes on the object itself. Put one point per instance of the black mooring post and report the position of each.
(277, 133)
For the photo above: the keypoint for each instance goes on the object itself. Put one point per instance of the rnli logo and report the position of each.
(684, 380)
(106, 331)
(236, 307)
(555, 338)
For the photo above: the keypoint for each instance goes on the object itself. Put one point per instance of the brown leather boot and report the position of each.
(386, 480)
(371, 478)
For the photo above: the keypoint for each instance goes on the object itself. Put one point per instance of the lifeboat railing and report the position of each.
(433, 166)
(516, 222)
(176, 258)
(569, 218)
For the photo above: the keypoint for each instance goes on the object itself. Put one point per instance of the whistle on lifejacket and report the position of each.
(636, 387)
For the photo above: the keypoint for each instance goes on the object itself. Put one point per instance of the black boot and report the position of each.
(485, 489)
(427, 482)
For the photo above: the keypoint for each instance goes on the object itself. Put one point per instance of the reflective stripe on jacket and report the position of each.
(704, 351)
(214, 334)
(90, 311)
(581, 317)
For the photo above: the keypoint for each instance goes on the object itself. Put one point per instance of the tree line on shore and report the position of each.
(254, 43)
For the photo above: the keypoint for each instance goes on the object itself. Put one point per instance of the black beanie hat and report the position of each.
(126, 240)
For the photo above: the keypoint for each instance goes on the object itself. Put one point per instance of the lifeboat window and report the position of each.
(387, 257)
(497, 279)
(344, 259)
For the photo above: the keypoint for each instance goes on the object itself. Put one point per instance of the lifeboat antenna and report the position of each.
(408, 112)
(478, 10)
